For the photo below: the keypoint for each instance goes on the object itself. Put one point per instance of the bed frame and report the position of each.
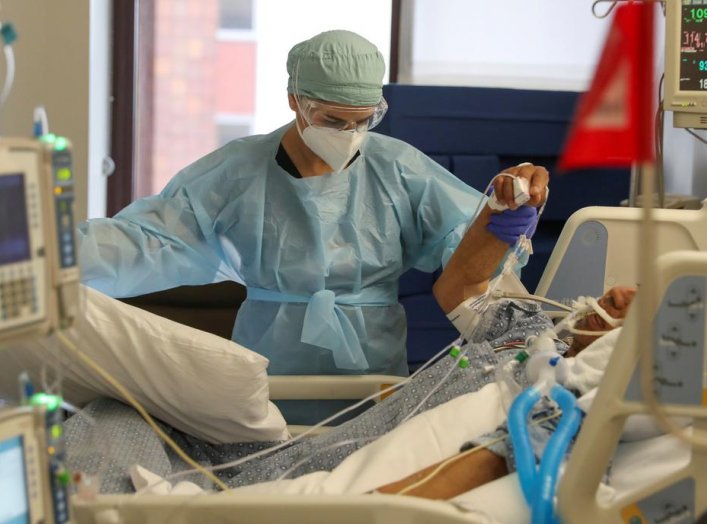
(598, 248)
(613, 234)
(679, 351)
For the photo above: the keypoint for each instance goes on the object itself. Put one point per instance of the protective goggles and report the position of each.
(341, 117)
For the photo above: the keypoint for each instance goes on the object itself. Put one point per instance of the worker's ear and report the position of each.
(292, 102)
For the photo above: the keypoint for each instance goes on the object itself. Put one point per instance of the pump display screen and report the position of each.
(14, 231)
(14, 505)
(693, 46)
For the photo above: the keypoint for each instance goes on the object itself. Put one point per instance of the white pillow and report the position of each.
(200, 383)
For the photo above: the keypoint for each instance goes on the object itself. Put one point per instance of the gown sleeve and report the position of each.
(156, 243)
(443, 207)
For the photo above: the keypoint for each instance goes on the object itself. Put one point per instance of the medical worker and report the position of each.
(318, 219)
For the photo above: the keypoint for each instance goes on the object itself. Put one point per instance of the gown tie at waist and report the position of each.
(327, 326)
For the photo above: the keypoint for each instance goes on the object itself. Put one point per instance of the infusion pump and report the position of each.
(38, 294)
(38, 261)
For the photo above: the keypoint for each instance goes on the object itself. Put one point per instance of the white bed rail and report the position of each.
(319, 387)
(678, 348)
(329, 387)
(262, 509)
(598, 248)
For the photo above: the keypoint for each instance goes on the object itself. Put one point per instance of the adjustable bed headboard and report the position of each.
(598, 248)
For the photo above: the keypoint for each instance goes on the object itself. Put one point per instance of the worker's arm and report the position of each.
(156, 243)
(466, 473)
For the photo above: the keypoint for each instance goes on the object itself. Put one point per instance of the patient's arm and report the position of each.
(468, 472)
(472, 265)
(480, 252)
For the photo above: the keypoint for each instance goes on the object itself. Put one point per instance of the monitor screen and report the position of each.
(14, 504)
(14, 231)
(693, 46)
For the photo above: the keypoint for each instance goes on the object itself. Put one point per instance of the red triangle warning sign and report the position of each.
(613, 126)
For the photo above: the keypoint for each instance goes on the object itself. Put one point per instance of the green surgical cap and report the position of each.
(337, 66)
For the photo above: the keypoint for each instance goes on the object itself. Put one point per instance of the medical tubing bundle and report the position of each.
(134, 403)
(520, 436)
(539, 483)
(324, 449)
(486, 302)
(324, 422)
(470, 451)
(508, 266)
(439, 384)
(555, 451)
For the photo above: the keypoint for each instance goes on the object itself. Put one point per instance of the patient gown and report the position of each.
(320, 256)
(117, 437)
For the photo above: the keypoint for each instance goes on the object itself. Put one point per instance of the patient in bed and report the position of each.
(505, 327)
(485, 465)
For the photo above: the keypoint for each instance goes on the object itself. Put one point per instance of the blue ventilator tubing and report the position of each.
(520, 437)
(555, 450)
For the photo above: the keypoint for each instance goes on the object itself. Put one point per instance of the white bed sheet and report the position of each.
(440, 432)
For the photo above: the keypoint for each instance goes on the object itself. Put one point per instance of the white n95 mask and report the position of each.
(335, 147)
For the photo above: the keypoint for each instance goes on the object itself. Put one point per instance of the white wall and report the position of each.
(282, 24)
(52, 68)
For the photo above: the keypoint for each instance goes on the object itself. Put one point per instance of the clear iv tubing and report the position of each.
(9, 74)
(322, 450)
(508, 266)
(291, 441)
(435, 388)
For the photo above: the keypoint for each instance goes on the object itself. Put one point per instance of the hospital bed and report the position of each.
(598, 245)
(681, 490)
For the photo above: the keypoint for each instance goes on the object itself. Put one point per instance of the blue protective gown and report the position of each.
(320, 256)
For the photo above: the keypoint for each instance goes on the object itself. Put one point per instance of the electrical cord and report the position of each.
(693, 133)
(9, 74)
(614, 3)
(324, 422)
(450, 460)
(134, 403)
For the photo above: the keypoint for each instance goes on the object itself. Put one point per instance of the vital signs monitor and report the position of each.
(686, 62)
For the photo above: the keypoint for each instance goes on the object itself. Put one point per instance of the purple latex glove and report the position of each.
(509, 225)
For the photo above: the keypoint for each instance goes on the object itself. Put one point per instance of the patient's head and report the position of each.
(615, 302)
